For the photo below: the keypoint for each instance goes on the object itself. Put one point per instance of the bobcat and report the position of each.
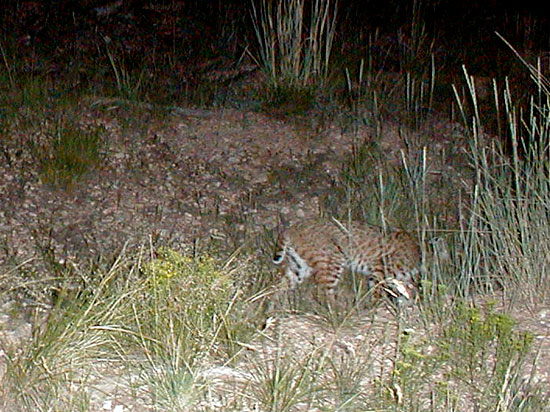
(325, 249)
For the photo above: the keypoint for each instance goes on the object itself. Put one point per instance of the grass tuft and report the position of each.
(293, 55)
(129, 84)
(70, 151)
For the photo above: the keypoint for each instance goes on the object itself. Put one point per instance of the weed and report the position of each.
(8, 67)
(128, 84)
(69, 152)
(484, 347)
(478, 353)
(207, 287)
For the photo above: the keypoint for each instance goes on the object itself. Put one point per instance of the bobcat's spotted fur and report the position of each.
(323, 250)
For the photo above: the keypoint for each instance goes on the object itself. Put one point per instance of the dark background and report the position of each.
(67, 39)
(464, 29)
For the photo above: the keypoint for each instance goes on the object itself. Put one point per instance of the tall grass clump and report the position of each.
(70, 348)
(506, 227)
(68, 152)
(287, 383)
(293, 54)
